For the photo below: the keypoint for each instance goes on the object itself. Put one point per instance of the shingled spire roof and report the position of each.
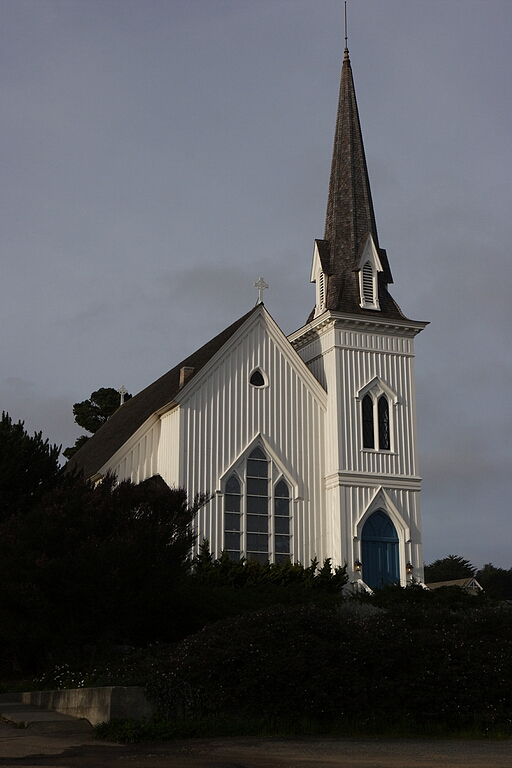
(350, 217)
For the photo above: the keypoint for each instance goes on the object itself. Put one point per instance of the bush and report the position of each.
(409, 664)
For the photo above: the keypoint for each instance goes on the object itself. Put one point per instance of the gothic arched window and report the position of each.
(383, 415)
(257, 505)
(232, 509)
(368, 427)
(281, 522)
(257, 515)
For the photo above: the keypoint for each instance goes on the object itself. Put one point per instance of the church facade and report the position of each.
(306, 443)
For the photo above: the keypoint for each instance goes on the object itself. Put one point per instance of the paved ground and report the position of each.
(63, 742)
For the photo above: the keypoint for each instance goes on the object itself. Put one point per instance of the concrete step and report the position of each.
(20, 715)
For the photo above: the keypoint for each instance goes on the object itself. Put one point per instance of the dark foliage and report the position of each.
(402, 664)
(69, 452)
(91, 414)
(238, 574)
(29, 467)
(448, 569)
(497, 582)
(222, 588)
(93, 566)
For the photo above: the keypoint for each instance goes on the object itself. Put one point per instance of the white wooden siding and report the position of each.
(139, 461)
(224, 414)
(345, 357)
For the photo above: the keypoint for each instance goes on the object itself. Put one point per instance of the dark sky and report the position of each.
(158, 156)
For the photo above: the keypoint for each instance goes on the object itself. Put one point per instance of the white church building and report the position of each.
(307, 443)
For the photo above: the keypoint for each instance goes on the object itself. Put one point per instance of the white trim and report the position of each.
(241, 459)
(375, 389)
(378, 387)
(382, 501)
(261, 316)
(369, 295)
(277, 472)
(259, 369)
(384, 325)
(319, 277)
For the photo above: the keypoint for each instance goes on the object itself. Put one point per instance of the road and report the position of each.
(76, 748)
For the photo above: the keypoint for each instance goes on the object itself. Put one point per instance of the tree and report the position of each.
(29, 467)
(91, 414)
(94, 565)
(448, 569)
(497, 582)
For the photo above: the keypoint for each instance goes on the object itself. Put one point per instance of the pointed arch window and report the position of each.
(257, 505)
(257, 516)
(232, 521)
(383, 415)
(376, 422)
(282, 522)
(368, 427)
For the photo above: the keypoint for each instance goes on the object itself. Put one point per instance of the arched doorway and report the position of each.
(379, 551)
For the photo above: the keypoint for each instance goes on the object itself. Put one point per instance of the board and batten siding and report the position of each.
(223, 416)
(169, 448)
(138, 459)
(345, 356)
(403, 507)
(345, 362)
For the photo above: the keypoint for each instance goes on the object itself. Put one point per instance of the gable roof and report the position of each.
(469, 584)
(350, 216)
(134, 412)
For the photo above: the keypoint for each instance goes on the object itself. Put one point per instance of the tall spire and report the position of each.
(349, 206)
(350, 217)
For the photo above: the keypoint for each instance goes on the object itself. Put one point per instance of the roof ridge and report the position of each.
(134, 412)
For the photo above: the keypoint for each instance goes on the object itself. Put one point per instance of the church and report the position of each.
(306, 444)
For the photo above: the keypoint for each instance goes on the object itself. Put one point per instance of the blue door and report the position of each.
(379, 551)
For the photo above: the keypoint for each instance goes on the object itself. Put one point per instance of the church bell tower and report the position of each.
(360, 347)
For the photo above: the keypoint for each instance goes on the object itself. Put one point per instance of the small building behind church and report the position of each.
(307, 444)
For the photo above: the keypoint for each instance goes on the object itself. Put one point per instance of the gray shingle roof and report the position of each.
(350, 216)
(133, 413)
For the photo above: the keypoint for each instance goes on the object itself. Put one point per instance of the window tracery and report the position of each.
(257, 518)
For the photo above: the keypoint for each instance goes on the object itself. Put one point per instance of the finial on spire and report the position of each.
(260, 285)
(346, 28)
(122, 391)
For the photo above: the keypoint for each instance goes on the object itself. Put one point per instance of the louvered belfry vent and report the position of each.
(368, 283)
(321, 290)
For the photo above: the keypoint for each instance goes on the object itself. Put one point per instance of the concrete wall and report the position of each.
(94, 704)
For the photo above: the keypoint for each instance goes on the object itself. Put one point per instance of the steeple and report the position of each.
(351, 242)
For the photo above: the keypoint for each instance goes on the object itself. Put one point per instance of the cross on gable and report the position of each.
(260, 285)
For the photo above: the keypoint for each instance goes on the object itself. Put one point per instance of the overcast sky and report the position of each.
(158, 156)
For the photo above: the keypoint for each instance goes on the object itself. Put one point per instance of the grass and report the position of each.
(157, 729)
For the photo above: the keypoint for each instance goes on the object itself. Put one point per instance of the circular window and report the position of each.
(257, 379)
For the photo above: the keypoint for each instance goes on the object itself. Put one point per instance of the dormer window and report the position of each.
(319, 275)
(369, 268)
